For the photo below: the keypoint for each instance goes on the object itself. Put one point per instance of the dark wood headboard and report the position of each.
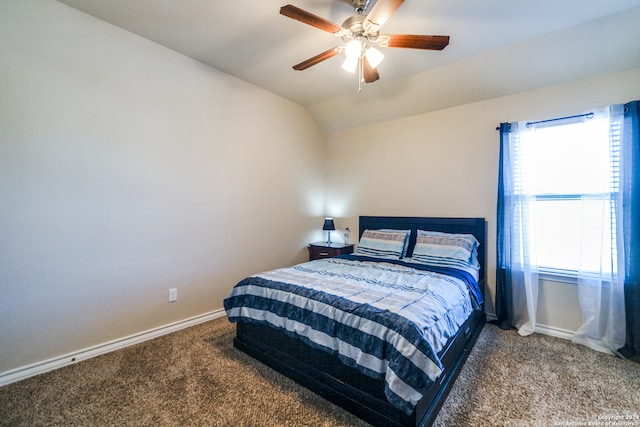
(475, 226)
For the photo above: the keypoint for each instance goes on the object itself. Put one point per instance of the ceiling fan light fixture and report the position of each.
(359, 33)
(374, 57)
(350, 64)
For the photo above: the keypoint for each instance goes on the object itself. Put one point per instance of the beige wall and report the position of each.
(127, 169)
(445, 163)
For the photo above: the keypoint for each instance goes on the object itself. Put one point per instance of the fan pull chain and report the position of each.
(360, 74)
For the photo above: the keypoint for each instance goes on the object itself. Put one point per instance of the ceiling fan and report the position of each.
(360, 33)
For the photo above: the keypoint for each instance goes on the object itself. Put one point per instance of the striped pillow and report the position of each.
(446, 249)
(382, 244)
(406, 238)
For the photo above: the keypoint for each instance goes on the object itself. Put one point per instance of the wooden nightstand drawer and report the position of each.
(322, 250)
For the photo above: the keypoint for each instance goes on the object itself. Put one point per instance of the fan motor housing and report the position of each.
(356, 28)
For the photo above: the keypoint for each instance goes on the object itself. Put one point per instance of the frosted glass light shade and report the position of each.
(353, 49)
(350, 64)
(374, 57)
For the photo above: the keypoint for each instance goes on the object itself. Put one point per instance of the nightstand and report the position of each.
(323, 250)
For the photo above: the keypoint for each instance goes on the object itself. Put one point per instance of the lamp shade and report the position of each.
(328, 224)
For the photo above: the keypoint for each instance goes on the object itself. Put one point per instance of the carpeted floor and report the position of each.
(195, 377)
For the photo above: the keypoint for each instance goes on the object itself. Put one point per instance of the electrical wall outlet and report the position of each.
(173, 295)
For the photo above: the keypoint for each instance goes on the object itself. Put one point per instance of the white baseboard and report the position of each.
(555, 332)
(33, 369)
(544, 329)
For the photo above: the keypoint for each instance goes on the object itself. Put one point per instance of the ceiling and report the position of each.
(497, 47)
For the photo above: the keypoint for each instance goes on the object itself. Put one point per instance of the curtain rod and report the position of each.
(587, 115)
(529, 124)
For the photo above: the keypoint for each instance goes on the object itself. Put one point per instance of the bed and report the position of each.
(388, 361)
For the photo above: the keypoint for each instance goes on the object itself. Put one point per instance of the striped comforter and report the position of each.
(388, 319)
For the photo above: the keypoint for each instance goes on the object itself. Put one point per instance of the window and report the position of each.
(568, 202)
(568, 175)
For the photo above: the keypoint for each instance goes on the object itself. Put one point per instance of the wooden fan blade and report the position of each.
(309, 18)
(381, 11)
(413, 41)
(369, 73)
(317, 59)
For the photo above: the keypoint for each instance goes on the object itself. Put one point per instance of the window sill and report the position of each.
(562, 276)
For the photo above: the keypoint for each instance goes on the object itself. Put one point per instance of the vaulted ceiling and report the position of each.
(497, 47)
